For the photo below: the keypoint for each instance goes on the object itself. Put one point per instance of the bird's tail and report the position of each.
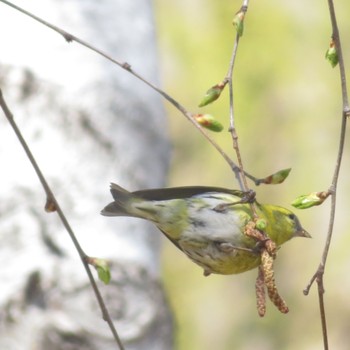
(121, 205)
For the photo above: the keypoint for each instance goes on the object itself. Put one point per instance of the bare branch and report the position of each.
(318, 276)
(228, 79)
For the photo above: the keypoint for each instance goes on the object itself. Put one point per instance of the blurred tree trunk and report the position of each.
(88, 123)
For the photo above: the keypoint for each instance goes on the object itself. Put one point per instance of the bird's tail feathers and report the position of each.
(121, 204)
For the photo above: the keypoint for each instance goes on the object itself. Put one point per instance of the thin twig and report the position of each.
(318, 276)
(51, 199)
(242, 176)
(70, 37)
(228, 79)
(320, 289)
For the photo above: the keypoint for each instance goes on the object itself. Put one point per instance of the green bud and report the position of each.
(212, 94)
(238, 22)
(261, 224)
(102, 268)
(310, 200)
(104, 274)
(208, 122)
(332, 54)
(276, 178)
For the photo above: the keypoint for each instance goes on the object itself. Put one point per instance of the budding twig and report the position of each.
(318, 276)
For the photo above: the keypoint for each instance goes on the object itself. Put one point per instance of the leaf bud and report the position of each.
(261, 224)
(310, 200)
(332, 54)
(208, 122)
(238, 22)
(102, 268)
(212, 94)
(276, 178)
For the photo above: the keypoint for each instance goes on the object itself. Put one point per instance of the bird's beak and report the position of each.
(302, 233)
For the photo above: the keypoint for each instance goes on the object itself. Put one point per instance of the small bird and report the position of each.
(207, 223)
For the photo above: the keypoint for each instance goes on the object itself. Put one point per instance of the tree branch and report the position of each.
(318, 276)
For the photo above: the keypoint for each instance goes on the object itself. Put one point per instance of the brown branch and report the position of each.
(228, 79)
(318, 276)
(242, 176)
(52, 205)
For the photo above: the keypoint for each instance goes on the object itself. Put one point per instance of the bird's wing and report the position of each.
(182, 192)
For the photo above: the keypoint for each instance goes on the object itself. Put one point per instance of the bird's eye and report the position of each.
(291, 216)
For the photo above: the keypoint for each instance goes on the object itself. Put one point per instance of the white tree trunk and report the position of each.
(88, 123)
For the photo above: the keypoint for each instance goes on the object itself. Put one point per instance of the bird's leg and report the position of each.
(226, 247)
(248, 197)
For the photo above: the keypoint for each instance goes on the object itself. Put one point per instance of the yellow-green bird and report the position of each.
(207, 223)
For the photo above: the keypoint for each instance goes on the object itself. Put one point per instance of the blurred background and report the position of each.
(288, 114)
